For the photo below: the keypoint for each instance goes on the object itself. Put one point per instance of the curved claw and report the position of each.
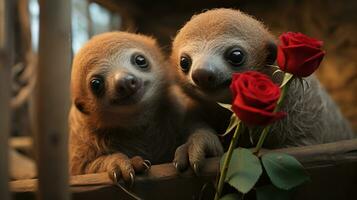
(195, 168)
(147, 164)
(133, 195)
(175, 164)
(132, 180)
(114, 176)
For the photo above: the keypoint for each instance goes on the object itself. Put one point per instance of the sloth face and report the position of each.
(206, 66)
(214, 45)
(125, 79)
(117, 73)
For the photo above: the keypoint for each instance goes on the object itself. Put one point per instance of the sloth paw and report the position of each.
(200, 145)
(125, 168)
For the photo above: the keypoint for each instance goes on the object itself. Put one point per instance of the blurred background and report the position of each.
(334, 22)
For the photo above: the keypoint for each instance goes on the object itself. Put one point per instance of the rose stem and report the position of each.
(267, 129)
(227, 160)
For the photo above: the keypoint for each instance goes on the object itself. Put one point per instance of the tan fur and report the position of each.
(105, 137)
(219, 26)
(313, 117)
(214, 30)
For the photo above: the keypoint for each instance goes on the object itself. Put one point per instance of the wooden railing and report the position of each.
(332, 168)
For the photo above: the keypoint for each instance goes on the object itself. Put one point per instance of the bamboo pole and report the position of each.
(6, 58)
(52, 99)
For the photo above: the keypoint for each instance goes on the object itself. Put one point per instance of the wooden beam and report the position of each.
(333, 161)
(52, 99)
(126, 9)
(21, 166)
(6, 61)
(21, 143)
(23, 13)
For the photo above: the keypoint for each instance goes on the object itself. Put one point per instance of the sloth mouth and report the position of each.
(216, 88)
(128, 99)
(219, 92)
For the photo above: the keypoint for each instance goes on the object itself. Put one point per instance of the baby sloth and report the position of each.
(219, 42)
(122, 109)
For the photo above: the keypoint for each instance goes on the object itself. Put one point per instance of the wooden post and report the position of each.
(52, 99)
(6, 58)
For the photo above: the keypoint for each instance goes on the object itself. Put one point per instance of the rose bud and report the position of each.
(299, 54)
(255, 97)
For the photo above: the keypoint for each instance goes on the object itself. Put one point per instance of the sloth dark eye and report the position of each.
(185, 63)
(97, 85)
(235, 56)
(140, 61)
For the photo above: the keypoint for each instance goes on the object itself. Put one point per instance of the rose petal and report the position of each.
(255, 98)
(310, 65)
(281, 59)
(257, 103)
(300, 38)
(296, 56)
(284, 38)
(291, 38)
(253, 116)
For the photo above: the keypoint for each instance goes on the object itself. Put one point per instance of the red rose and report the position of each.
(299, 54)
(255, 97)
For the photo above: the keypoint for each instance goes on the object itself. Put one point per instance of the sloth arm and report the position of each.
(85, 154)
(88, 153)
(201, 142)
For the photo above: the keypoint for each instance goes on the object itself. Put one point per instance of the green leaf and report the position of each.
(244, 170)
(284, 171)
(269, 192)
(231, 196)
(232, 124)
(287, 77)
(226, 106)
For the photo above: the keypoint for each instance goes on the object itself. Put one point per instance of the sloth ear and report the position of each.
(272, 52)
(80, 105)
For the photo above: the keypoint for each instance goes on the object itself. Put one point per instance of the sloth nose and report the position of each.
(127, 85)
(204, 78)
